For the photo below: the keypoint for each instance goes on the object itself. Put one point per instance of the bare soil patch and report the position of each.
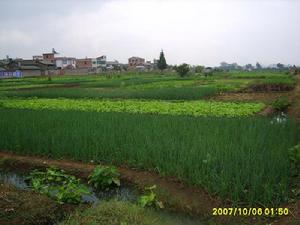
(259, 97)
(25, 207)
(268, 88)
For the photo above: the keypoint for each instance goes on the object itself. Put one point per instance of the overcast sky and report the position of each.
(196, 32)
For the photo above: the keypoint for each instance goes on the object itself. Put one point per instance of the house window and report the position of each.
(65, 61)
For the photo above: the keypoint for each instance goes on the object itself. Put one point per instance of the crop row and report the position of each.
(191, 108)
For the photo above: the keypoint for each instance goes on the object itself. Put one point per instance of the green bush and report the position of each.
(182, 69)
(281, 104)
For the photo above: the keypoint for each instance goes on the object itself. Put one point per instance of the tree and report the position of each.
(258, 66)
(208, 71)
(182, 69)
(161, 63)
(249, 67)
(199, 69)
(280, 66)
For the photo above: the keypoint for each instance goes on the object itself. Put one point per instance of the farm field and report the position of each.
(174, 127)
(146, 86)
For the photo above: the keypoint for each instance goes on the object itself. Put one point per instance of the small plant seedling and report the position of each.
(150, 198)
(104, 177)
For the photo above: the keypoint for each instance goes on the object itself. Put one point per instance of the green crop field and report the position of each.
(243, 159)
(159, 122)
(148, 86)
(192, 108)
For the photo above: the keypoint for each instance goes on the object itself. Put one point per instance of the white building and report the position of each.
(94, 63)
(65, 63)
(101, 61)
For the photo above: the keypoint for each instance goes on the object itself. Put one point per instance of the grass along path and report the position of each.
(190, 108)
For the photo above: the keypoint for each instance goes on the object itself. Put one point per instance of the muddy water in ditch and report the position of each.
(123, 193)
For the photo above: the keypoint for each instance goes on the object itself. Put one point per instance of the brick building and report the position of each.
(49, 57)
(133, 62)
(86, 63)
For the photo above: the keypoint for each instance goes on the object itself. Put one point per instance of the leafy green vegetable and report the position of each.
(191, 108)
(104, 177)
(150, 198)
(57, 184)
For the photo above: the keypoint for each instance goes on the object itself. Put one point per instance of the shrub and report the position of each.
(182, 69)
(281, 104)
(104, 177)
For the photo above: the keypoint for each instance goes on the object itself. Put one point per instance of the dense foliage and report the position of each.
(182, 69)
(161, 63)
(281, 104)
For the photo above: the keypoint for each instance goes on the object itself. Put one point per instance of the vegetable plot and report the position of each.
(190, 108)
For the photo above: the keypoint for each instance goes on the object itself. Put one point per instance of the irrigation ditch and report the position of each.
(188, 203)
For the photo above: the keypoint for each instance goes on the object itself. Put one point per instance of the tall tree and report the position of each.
(162, 64)
(258, 66)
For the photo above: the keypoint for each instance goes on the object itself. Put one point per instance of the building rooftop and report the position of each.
(135, 57)
(65, 58)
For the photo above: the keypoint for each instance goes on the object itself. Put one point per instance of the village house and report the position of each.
(101, 61)
(113, 65)
(37, 57)
(135, 62)
(65, 63)
(20, 67)
(86, 63)
(49, 57)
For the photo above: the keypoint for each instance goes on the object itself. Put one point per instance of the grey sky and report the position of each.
(196, 32)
